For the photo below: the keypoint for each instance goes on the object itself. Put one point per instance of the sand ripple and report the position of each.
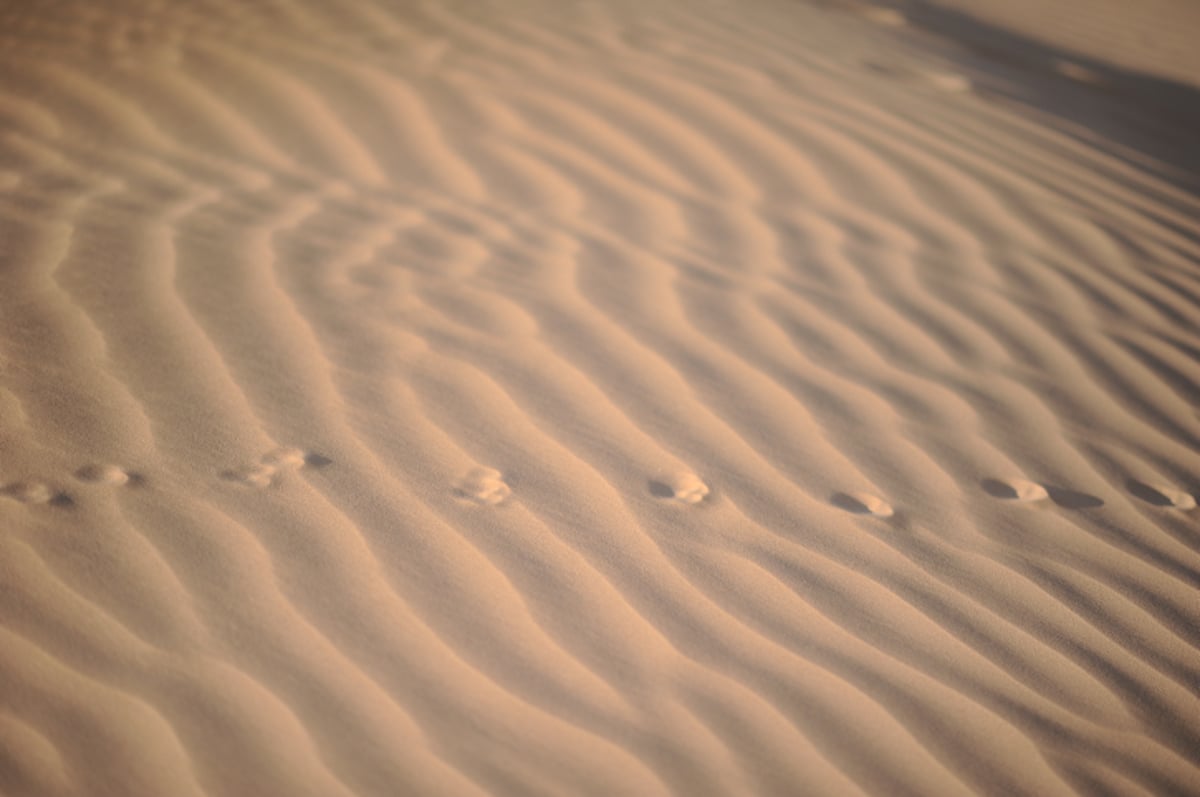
(295, 270)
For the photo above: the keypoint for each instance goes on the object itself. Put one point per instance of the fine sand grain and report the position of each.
(536, 399)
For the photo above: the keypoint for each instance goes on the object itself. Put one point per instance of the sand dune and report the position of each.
(615, 398)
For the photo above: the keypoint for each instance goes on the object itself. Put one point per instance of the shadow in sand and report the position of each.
(1072, 499)
(1032, 492)
(999, 489)
(63, 501)
(659, 489)
(849, 503)
(1153, 120)
(317, 460)
(1147, 493)
(1155, 496)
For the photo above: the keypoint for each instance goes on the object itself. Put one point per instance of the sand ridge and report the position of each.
(586, 398)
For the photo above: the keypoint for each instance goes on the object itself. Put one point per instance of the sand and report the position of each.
(531, 398)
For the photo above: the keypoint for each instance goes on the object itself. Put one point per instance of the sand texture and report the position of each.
(540, 398)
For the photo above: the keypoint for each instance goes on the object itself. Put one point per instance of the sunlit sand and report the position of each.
(599, 398)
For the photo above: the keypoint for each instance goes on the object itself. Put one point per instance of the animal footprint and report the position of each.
(686, 488)
(483, 486)
(32, 492)
(1020, 490)
(107, 474)
(1027, 492)
(949, 82)
(1162, 495)
(258, 476)
(272, 464)
(863, 504)
(285, 458)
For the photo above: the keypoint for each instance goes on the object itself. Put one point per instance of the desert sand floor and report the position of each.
(540, 398)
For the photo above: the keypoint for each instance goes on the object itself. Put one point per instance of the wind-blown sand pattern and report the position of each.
(593, 398)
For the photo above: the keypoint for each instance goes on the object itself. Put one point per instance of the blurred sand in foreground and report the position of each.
(537, 399)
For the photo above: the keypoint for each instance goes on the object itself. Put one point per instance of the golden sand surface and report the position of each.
(538, 399)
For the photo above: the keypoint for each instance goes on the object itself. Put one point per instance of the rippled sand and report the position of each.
(598, 398)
